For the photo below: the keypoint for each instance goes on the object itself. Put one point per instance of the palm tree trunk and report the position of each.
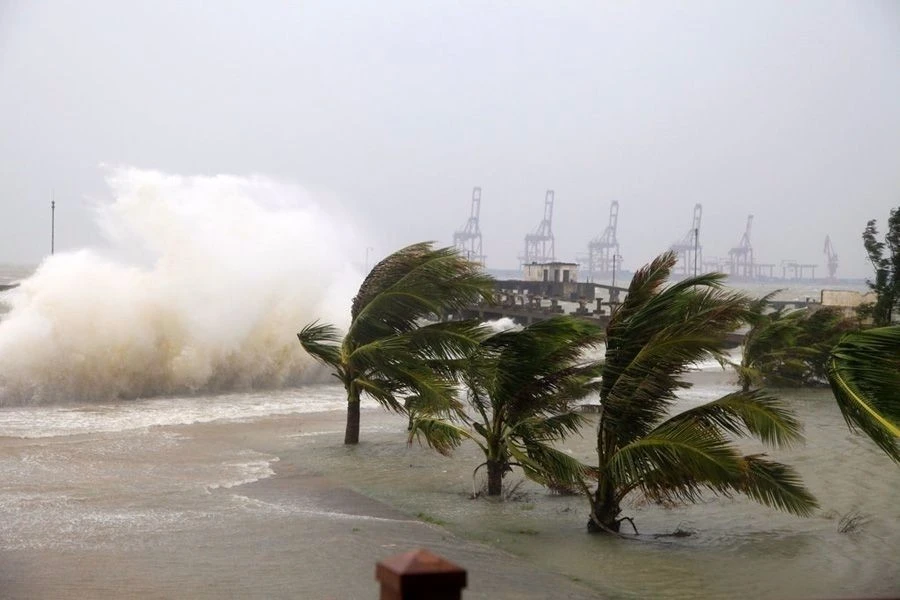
(495, 477)
(605, 509)
(351, 434)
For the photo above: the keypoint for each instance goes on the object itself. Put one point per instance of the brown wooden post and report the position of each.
(420, 575)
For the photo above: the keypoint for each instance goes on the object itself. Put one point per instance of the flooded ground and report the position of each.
(253, 495)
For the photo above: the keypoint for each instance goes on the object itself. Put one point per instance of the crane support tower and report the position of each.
(831, 258)
(741, 256)
(689, 250)
(539, 246)
(467, 240)
(791, 269)
(603, 250)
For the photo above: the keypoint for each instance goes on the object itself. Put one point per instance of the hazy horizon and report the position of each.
(388, 114)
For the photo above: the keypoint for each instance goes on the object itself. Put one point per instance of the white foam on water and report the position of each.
(244, 472)
(202, 288)
(294, 508)
(52, 421)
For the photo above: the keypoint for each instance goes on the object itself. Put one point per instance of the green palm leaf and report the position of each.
(657, 336)
(864, 373)
(746, 413)
(322, 341)
(412, 284)
(439, 434)
(679, 455)
(776, 485)
(549, 466)
(389, 350)
(522, 384)
(545, 428)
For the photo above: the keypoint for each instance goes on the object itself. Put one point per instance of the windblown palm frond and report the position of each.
(439, 434)
(389, 351)
(864, 373)
(544, 428)
(742, 414)
(657, 335)
(675, 460)
(522, 385)
(774, 484)
(322, 341)
(415, 283)
(550, 466)
(789, 348)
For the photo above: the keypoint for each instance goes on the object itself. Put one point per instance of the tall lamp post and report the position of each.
(614, 293)
(696, 249)
(52, 224)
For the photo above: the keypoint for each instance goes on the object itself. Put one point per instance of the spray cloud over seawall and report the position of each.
(204, 286)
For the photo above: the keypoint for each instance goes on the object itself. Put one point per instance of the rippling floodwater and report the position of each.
(158, 487)
(736, 547)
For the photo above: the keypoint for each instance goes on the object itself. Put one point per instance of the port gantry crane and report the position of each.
(539, 246)
(689, 250)
(468, 239)
(603, 251)
(741, 256)
(831, 258)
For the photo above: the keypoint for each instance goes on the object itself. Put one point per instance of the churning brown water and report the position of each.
(253, 495)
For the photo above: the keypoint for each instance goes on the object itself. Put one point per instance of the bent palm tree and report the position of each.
(387, 352)
(522, 384)
(864, 373)
(788, 348)
(652, 340)
(767, 343)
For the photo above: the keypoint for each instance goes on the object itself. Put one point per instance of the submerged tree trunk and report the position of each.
(605, 509)
(351, 434)
(495, 470)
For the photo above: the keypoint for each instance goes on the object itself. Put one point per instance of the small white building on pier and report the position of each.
(551, 272)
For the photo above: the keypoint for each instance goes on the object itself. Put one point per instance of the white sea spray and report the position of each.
(202, 287)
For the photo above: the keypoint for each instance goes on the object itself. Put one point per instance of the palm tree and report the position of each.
(820, 332)
(657, 334)
(864, 373)
(767, 343)
(388, 352)
(788, 348)
(522, 384)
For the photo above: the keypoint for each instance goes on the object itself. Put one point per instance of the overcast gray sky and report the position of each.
(395, 109)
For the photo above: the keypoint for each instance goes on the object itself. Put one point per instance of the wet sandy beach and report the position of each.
(296, 534)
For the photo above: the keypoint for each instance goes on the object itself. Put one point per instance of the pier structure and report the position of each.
(526, 302)
(764, 271)
(791, 269)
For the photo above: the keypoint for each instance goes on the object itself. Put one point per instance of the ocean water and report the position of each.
(162, 435)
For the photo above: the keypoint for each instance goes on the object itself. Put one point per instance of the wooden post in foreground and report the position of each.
(420, 575)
